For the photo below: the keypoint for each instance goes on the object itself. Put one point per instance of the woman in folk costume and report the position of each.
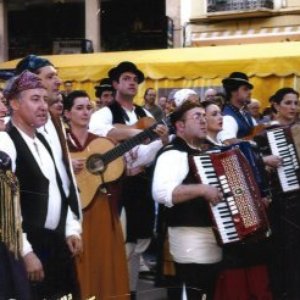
(284, 212)
(102, 268)
(13, 277)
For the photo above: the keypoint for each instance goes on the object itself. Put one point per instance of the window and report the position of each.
(238, 5)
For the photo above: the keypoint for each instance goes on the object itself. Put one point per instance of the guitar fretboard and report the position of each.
(128, 145)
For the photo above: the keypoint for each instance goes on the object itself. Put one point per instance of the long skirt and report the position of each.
(102, 268)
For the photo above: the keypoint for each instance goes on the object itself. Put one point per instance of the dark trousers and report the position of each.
(284, 263)
(59, 267)
(13, 277)
(199, 279)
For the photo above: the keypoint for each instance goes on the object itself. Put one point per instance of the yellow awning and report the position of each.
(261, 60)
(270, 66)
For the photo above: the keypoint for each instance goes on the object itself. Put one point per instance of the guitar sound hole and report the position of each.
(95, 164)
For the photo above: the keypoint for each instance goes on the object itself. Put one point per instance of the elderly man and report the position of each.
(54, 133)
(45, 206)
(254, 109)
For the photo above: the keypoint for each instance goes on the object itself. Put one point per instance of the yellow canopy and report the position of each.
(270, 66)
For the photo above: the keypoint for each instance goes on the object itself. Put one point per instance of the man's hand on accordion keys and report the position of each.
(211, 194)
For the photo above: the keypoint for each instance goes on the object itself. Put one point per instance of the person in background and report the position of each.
(57, 107)
(104, 93)
(183, 95)
(102, 267)
(210, 94)
(254, 109)
(68, 87)
(162, 102)
(150, 105)
(220, 99)
(237, 122)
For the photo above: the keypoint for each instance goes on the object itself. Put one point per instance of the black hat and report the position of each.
(104, 85)
(125, 66)
(237, 79)
(32, 63)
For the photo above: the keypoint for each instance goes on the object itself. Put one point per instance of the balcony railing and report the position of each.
(238, 5)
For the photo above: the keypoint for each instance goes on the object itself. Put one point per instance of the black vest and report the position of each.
(34, 187)
(192, 213)
(136, 190)
(119, 114)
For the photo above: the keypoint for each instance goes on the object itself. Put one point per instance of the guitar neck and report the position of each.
(122, 148)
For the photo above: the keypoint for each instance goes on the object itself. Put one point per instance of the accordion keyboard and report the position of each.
(221, 211)
(282, 148)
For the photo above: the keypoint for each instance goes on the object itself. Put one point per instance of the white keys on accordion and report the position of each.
(282, 148)
(221, 212)
(240, 214)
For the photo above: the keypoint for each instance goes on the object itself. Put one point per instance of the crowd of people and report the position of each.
(87, 184)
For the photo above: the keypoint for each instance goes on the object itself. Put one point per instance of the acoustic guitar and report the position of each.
(104, 161)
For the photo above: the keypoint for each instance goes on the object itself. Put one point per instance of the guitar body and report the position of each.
(89, 183)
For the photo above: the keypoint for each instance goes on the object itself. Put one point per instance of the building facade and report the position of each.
(232, 22)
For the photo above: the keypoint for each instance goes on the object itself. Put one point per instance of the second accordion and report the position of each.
(241, 213)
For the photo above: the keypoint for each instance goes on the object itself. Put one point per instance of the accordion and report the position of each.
(285, 143)
(241, 214)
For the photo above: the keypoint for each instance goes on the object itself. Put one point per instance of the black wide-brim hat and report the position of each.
(125, 66)
(237, 79)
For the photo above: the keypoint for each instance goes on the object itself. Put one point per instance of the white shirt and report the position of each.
(142, 155)
(187, 244)
(73, 226)
(7, 146)
(51, 136)
(230, 128)
(46, 165)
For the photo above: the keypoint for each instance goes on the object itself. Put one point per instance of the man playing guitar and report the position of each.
(136, 197)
